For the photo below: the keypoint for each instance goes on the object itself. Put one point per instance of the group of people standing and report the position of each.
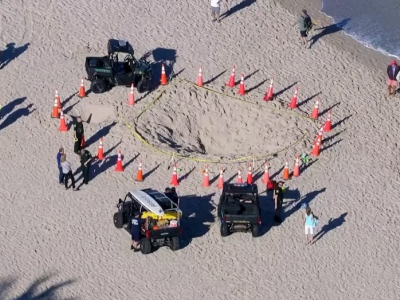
(65, 167)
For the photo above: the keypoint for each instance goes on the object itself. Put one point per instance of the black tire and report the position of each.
(118, 222)
(145, 246)
(98, 86)
(224, 229)
(255, 230)
(174, 246)
(143, 85)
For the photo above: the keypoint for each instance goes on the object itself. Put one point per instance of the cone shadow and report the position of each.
(147, 174)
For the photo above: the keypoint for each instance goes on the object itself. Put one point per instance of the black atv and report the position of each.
(239, 209)
(118, 68)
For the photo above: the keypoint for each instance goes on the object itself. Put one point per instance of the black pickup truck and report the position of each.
(239, 209)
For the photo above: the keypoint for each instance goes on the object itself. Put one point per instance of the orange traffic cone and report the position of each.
(296, 170)
(174, 180)
(206, 178)
(231, 82)
(131, 98)
(270, 91)
(315, 150)
(100, 152)
(241, 86)
(63, 126)
(200, 77)
(220, 184)
(239, 178)
(293, 102)
(250, 175)
(119, 167)
(319, 136)
(328, 123)
(56, 110)
(139, 175)
(266, 178)
(285, 175)
(314, 114)
(58, 99)
(82, 91)
(164, 80)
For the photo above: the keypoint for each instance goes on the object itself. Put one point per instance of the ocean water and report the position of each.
(374, 23)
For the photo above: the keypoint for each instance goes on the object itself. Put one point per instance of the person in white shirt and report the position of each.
(67, 171)
(215, 10)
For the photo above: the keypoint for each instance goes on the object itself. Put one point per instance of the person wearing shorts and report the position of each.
(305, 24)
(215, 10)
(392, 72)
(309, 224)
(136, 225)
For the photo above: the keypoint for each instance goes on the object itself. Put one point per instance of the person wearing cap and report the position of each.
(305, 24)
(60, 170)
(78, 135)
(136, 225)
(393, 76)
(278, 199)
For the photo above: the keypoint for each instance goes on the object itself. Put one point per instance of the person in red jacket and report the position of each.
(392, 72)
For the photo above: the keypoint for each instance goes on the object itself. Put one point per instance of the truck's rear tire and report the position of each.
(255, 230)
(98, 86)
(118, 222)
(145, 246)
(174, 243)
(224, 229)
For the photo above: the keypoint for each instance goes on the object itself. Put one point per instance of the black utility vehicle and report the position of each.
(162, 226)
(120, 67)
(239, 209)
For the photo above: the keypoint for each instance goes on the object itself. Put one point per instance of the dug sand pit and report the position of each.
(197, 122)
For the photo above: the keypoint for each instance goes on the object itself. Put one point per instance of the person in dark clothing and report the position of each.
(278, 198)
(171, 194)
(392, 72)
(60, 171)
(136, 225)
(86, 160)
(78, 135)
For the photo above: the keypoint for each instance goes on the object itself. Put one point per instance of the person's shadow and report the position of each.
(331, 225)
(11, 53)
(236, 8)
(14, 116)
(330, 29)
(296, 204)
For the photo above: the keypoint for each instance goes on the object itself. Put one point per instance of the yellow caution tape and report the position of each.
(204, 160)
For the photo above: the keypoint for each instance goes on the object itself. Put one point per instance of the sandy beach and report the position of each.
(58, 244)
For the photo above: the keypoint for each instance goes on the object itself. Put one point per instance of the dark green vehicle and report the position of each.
(119, 68)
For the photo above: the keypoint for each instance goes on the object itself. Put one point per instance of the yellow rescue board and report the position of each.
(168, 215)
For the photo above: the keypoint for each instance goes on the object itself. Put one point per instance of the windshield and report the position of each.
(246, 198)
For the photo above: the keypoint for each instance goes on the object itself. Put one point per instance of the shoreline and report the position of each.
(370, 57)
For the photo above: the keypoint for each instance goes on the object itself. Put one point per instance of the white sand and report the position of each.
(69, 236)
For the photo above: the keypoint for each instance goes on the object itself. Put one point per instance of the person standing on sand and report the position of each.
(278, 199)
(392, 72)
(67, 171)
(86, 161)
(60, 170)
(78, 135)
(309, 221)
(215, 10)
(136, 225)
(305, 25)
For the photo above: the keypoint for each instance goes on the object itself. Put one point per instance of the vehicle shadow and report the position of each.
(331, 225)
(267, 212)
(39, 289)
(15, 115)
(197, 216)
(11, 53)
